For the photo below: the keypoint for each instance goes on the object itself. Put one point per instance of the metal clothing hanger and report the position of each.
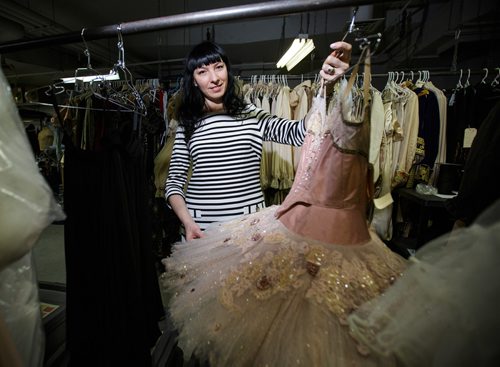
(121, 68)
(103, 89)
(483, 81)
(495, 81)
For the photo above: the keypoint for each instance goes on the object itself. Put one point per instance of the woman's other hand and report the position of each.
(193, 231)
(337, 63)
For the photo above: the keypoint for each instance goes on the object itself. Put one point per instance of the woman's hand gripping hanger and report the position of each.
(337, 63)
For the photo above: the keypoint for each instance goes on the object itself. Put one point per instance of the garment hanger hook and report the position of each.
(483, 81)
(121, 48)
(495, 81)
(86, 51)
(468, 78)
(459, 84)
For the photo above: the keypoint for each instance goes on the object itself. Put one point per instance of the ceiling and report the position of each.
(416, 35)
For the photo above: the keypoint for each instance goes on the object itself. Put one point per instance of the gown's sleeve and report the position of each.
(179, 166)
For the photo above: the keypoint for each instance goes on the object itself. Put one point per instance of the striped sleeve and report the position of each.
(179, 166)
(279, 130)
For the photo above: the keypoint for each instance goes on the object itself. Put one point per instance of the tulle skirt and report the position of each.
(444, 310)
(252, 293)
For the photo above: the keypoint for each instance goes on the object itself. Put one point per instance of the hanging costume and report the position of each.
(275, 287)
(444, 310)
(111, 280)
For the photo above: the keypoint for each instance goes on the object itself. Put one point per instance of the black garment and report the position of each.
(479, 186)
(168, 354)
(32, 133)
(460, 116)
(166, 229)
(470, 107)
(165, 224)
(485, 99)
(113, 298)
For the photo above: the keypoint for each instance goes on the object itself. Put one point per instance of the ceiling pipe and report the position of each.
(258, 10)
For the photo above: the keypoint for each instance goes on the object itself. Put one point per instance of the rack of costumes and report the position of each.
(416, 127)
(273, 94)
(110, 133)
(418, 131)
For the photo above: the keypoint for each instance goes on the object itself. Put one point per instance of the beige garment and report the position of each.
(403, 131)
(396, 106)
(443, 108)
(382, 213)
(410, 134)
(45, 138)
(303, 91)
(282, 161)
(267, 150)
(173, 105)
(161, 166)
(162, 160)
(377, 124)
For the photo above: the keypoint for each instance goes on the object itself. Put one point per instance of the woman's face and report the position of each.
(212, 82)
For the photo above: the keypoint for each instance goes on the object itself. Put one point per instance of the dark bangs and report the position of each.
(205, 53)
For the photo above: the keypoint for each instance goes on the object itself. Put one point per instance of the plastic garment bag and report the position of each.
(27, 204)
(27, 207)
(20, 309)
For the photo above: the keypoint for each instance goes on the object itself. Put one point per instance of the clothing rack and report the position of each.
(437, 73)
(432, 73)
(257, 10)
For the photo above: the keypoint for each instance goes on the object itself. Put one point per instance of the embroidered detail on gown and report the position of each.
(267, 290)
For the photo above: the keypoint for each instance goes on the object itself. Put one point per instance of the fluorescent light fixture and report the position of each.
(301, 54)
(113, 75)
(296, 46)
(300, 48)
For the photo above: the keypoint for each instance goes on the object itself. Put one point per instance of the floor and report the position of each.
(49, 262)
(49, 255)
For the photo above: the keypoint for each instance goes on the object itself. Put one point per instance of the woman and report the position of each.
(221, 136)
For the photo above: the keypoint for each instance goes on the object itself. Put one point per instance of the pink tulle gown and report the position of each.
(275, 288)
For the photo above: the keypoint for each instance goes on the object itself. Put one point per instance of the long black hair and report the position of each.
(192, 106)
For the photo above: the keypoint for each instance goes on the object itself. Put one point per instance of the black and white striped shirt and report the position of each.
(226, 154)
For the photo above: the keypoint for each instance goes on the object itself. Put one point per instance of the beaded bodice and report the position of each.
(328, 200)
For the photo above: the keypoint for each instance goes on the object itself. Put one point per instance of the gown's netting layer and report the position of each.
(252, 293)
(444, 310)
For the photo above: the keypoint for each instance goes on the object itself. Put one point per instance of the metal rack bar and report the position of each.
(257, 10)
